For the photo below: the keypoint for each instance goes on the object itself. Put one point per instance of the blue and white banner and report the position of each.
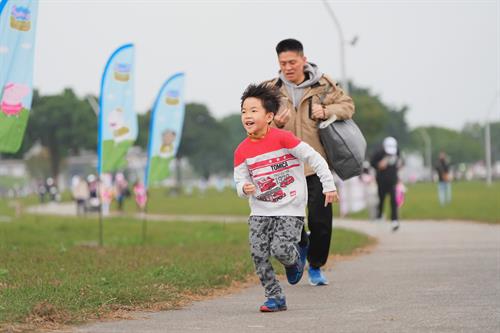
(17, 45)
(117, 117)
(165, 130)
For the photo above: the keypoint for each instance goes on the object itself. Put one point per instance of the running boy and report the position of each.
(269, 170)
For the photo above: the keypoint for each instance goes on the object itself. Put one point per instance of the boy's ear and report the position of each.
(270, 117)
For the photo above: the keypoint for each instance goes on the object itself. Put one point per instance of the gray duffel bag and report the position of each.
(345, 146)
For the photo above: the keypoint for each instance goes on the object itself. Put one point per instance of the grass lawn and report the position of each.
(471, 201)
(51, 270)
(211, 202)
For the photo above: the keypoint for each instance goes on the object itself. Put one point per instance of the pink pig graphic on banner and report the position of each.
(13, 95)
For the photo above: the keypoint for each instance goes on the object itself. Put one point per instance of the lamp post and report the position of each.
(487, 138)
(348, 187)
(487, 146)
(342, 43)
(428, 149)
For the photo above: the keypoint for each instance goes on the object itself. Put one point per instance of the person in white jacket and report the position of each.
(269, 171)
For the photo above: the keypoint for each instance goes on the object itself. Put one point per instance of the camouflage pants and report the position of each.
(275, 236)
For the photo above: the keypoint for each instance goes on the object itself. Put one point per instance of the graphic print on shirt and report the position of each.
(272, 176)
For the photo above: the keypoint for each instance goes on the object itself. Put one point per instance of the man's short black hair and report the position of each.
(289, 45)
(268, 95)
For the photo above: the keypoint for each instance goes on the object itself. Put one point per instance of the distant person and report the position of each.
(52, 189)
(308, 97)
(107, 192)
(42, 191)
(444, 181)
(81, 194)
(94, 203)
(386, 163)
(141, 195)
(121, 190)
(269, 171)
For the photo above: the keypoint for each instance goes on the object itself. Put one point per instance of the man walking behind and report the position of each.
(307, 98)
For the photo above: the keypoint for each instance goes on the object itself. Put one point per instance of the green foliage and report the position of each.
(204, 142)
(66, 124)
(459, 146)
(38, 165)
(143, 125)
(234, 128)
(378, 120)
(476, 132)
(63, 123)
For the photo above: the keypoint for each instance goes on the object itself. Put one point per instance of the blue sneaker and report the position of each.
(316, 277)
(274, 304)
(294, 272)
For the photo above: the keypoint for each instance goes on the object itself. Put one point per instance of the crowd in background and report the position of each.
(91, 195)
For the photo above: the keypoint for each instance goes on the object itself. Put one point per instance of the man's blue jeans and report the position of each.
(444, 193)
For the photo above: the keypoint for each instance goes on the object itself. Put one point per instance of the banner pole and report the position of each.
(101, 232)
(144, 223)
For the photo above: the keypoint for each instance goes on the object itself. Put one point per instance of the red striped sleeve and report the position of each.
(275, 140)
(288, 140)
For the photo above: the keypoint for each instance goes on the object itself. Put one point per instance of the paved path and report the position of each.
(69, 209)
(427, 277)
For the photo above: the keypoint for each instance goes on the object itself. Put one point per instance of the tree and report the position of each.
(461, 147)
(64, 124)
(235, 131)
(143, 126)
(204, 142)
(476, 131)
(378, 120)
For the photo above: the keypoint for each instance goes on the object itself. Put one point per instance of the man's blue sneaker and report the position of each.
(316, 277)
(294, 272)
(273, 305)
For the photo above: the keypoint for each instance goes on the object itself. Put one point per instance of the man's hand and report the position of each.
(249, 189)
(318, 112)
(382, 164)
(330, 197)
(282, 117)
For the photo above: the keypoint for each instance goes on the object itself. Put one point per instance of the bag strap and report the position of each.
(310, 107)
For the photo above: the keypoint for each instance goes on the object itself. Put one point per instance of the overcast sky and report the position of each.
(440, 58)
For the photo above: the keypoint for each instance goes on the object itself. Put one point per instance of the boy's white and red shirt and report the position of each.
(275, 165)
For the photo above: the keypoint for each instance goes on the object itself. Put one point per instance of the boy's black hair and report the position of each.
(289, 45)
(268, 95)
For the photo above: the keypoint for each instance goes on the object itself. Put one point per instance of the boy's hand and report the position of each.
(318, 111)
(282, 117)
(249, 189)
(330, 197)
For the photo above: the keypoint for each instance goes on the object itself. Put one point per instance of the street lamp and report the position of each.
(347, 186)
(487, 139)
(428, 149)
(342, 43)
